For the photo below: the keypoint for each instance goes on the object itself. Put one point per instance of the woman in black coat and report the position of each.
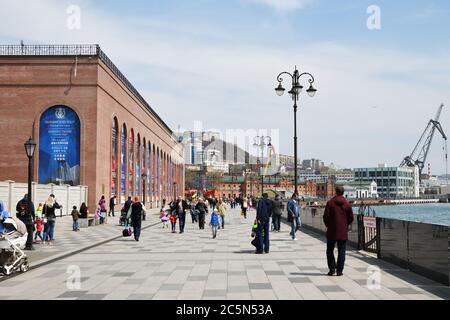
(136, 218)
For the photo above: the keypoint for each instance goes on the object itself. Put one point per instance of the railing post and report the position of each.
(379, 238)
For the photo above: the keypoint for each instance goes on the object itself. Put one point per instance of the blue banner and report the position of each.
(59, 146)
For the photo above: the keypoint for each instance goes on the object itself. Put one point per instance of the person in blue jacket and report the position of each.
(214, 223)
(294, 210)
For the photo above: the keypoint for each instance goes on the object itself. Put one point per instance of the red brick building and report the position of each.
(326, 190)
(91, 125)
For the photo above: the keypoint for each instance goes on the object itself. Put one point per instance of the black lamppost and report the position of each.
(261, 143)
(30, 147)
(144, 178)
(295, 92)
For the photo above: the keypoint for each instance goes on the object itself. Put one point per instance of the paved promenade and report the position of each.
(193, 266)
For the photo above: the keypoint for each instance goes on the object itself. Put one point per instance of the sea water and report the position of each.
(434, 213)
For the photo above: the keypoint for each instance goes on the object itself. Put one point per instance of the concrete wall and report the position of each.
(67, 196)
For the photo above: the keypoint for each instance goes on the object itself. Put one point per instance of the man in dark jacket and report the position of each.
(136, 218)
(202, 211)
(112, 204)
(263, 214)
(25, 213)
(276, 216)
(337, 217)
(181, 206)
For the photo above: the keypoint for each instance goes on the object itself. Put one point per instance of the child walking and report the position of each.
(173, 221)
(214, 223)
(75, 215)
(164, 218)
(39, 222)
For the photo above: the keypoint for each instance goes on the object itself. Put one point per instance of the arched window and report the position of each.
(144, 169)
(149, 171)
(123, 163)
(131, 167)
(157, 174)
(154, 173)
(114, 162)
(138, 166)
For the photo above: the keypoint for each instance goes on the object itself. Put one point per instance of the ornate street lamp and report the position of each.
(295, 92)
(30, 147)
(261, 143)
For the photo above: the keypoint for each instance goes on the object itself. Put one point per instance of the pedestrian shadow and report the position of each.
(244, 252)
(306, 274)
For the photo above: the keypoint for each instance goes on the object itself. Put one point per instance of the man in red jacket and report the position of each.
(337, 217)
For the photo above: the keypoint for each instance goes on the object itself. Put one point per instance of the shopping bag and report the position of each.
(127, 232)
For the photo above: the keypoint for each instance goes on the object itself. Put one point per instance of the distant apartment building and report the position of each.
(360, 190)
(313, 164)
(392, 182)
(287, 161)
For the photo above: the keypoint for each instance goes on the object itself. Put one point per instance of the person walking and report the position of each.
(294, 215)
(49, 213)
(222, 209)
(84, 211)
(180, 207)
(276, 213)
(39, 210)
(164, 218)
(27, 216)
(112, 204)
(173, 221)
(39, 222)
(75, 217)
(136, 218)
(194, 213)
(202, 211)
(244, 206)
(337, 218)
(263, 214)
(214, 223)
(102, 209)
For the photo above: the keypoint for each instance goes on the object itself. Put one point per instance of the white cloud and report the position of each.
(283, 5)
(231, 84)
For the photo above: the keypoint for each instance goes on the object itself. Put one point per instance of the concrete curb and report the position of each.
(52, 259)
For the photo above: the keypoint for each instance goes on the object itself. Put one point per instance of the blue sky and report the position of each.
(216, 61)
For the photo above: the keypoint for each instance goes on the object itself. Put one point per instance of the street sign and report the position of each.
(370, 222)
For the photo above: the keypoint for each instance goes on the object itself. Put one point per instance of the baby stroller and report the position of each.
(12, 241)
(124, 220)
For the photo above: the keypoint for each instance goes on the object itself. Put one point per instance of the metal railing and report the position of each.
(49, 50)
(78, 50)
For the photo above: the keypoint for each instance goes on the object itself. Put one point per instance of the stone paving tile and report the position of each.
(330, 288)
(405, 291)
(225, 268)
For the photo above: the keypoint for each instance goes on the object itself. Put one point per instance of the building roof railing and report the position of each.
(78, 50)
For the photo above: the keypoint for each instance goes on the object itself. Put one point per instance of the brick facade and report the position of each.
(30, 85)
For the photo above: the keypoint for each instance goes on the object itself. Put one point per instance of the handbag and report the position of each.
(127, 232)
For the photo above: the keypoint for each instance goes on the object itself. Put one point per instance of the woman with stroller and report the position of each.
(49, 213)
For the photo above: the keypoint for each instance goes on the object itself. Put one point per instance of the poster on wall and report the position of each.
(59, 146)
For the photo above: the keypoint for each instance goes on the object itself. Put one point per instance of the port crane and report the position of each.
(420, 153)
